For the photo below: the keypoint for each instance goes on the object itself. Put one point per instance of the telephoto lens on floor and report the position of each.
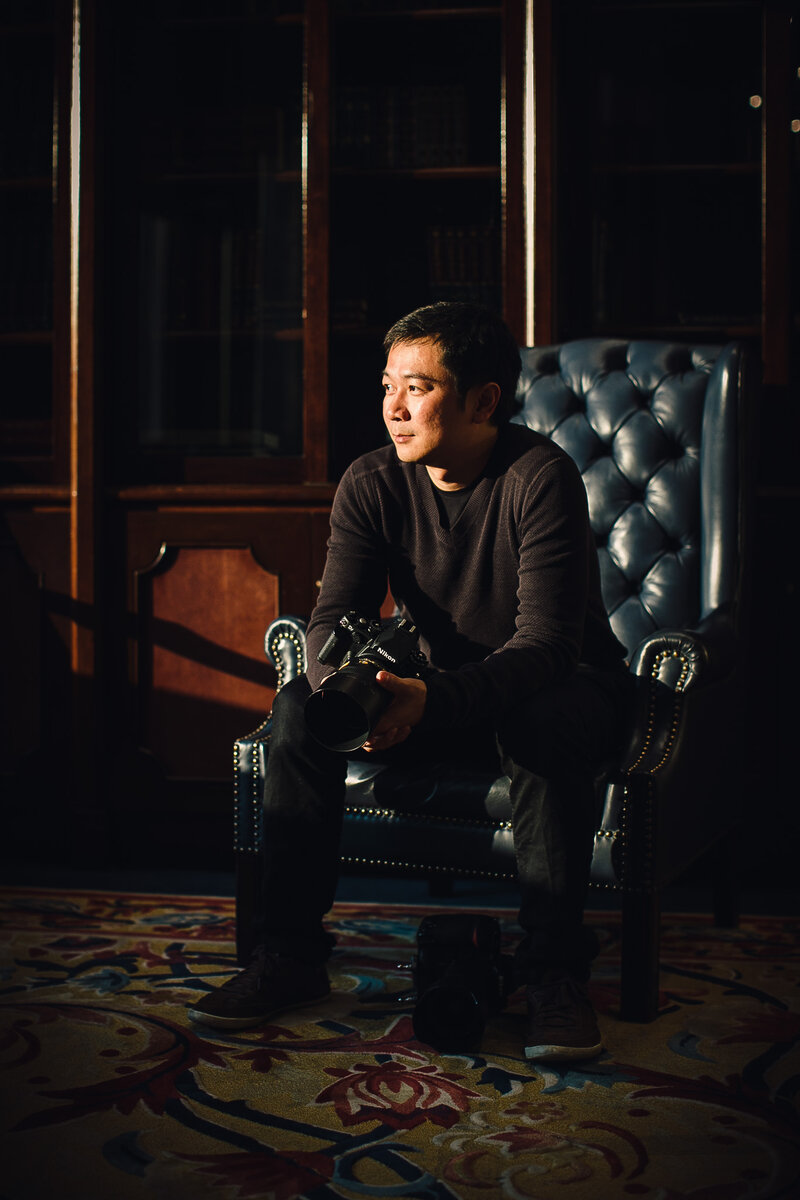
(451, 1016)
(461, 977)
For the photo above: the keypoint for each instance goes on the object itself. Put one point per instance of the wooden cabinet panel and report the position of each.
(36, 689)
(200, 673)
(21, 652)
(203, 586)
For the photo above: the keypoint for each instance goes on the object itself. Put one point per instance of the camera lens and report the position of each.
(336, 720)
(345, 708)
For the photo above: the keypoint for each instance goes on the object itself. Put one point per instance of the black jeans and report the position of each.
(551, 748)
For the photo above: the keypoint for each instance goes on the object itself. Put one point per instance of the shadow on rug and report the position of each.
(110, 1093)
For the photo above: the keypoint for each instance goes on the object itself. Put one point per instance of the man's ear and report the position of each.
(488, 398)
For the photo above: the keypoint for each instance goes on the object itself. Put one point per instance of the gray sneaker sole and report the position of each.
(552, 1053)
(217, 1021)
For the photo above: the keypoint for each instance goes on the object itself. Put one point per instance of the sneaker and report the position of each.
(561, 1021)
(269, 985)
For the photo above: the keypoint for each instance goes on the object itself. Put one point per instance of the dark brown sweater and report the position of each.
(507, 601)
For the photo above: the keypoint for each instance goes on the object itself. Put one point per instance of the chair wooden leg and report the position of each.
(248, 903)
(641, 928)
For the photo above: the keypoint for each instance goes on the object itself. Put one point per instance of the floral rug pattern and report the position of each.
(110, 1092)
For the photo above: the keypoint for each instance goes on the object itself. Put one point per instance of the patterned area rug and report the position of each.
(110, 1093)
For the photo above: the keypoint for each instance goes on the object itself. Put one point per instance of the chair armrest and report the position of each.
(285, 647)
(669, 664)
(685, 658)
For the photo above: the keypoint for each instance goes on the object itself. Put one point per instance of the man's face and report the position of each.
(426, 419)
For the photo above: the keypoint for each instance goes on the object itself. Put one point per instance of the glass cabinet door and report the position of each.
(416, 182)
(28, 194)
(206, 254)
(660, 169)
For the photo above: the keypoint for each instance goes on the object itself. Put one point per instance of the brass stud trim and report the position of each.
(389, 814)
(429, 868)
(659, 660)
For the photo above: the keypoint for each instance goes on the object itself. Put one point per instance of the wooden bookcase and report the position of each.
(212, 212)
(34, 245)
(246, 193)
(278, 191)
(660, 129)
(677, 128)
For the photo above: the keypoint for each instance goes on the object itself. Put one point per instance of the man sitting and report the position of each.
(481, 528)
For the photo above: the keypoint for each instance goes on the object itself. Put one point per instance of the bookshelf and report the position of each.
(190, 348)
(265, 186)
(677, 182)
(417, 186)
(32, 245)
(661, 170)
(282, 191)
(205, 176)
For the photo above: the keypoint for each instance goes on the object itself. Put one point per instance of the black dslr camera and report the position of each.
(347, 705)
(461, 979)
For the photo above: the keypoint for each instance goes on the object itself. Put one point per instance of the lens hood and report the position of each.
(346, 706)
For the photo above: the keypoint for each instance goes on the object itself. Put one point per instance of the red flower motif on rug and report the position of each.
(110, 1091)
(398, 1095)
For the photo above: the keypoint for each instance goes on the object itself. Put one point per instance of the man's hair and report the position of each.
(475, 343)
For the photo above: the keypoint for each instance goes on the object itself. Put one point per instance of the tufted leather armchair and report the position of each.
(659, 432)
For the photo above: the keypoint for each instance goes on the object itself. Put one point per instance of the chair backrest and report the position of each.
(655, 429)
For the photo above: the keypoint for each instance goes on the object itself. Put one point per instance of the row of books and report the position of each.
(227, 10)
(199, 278)
(656, 288)
(264, 139)
(29, 156)
(421, 125)
(26, 91)
(343, 7)
(26, 278)
(463, 264)
(261, 9)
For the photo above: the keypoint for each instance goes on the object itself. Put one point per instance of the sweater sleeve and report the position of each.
(550, 577)
(355, 575)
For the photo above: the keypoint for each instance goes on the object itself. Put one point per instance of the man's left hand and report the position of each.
(404, 712)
